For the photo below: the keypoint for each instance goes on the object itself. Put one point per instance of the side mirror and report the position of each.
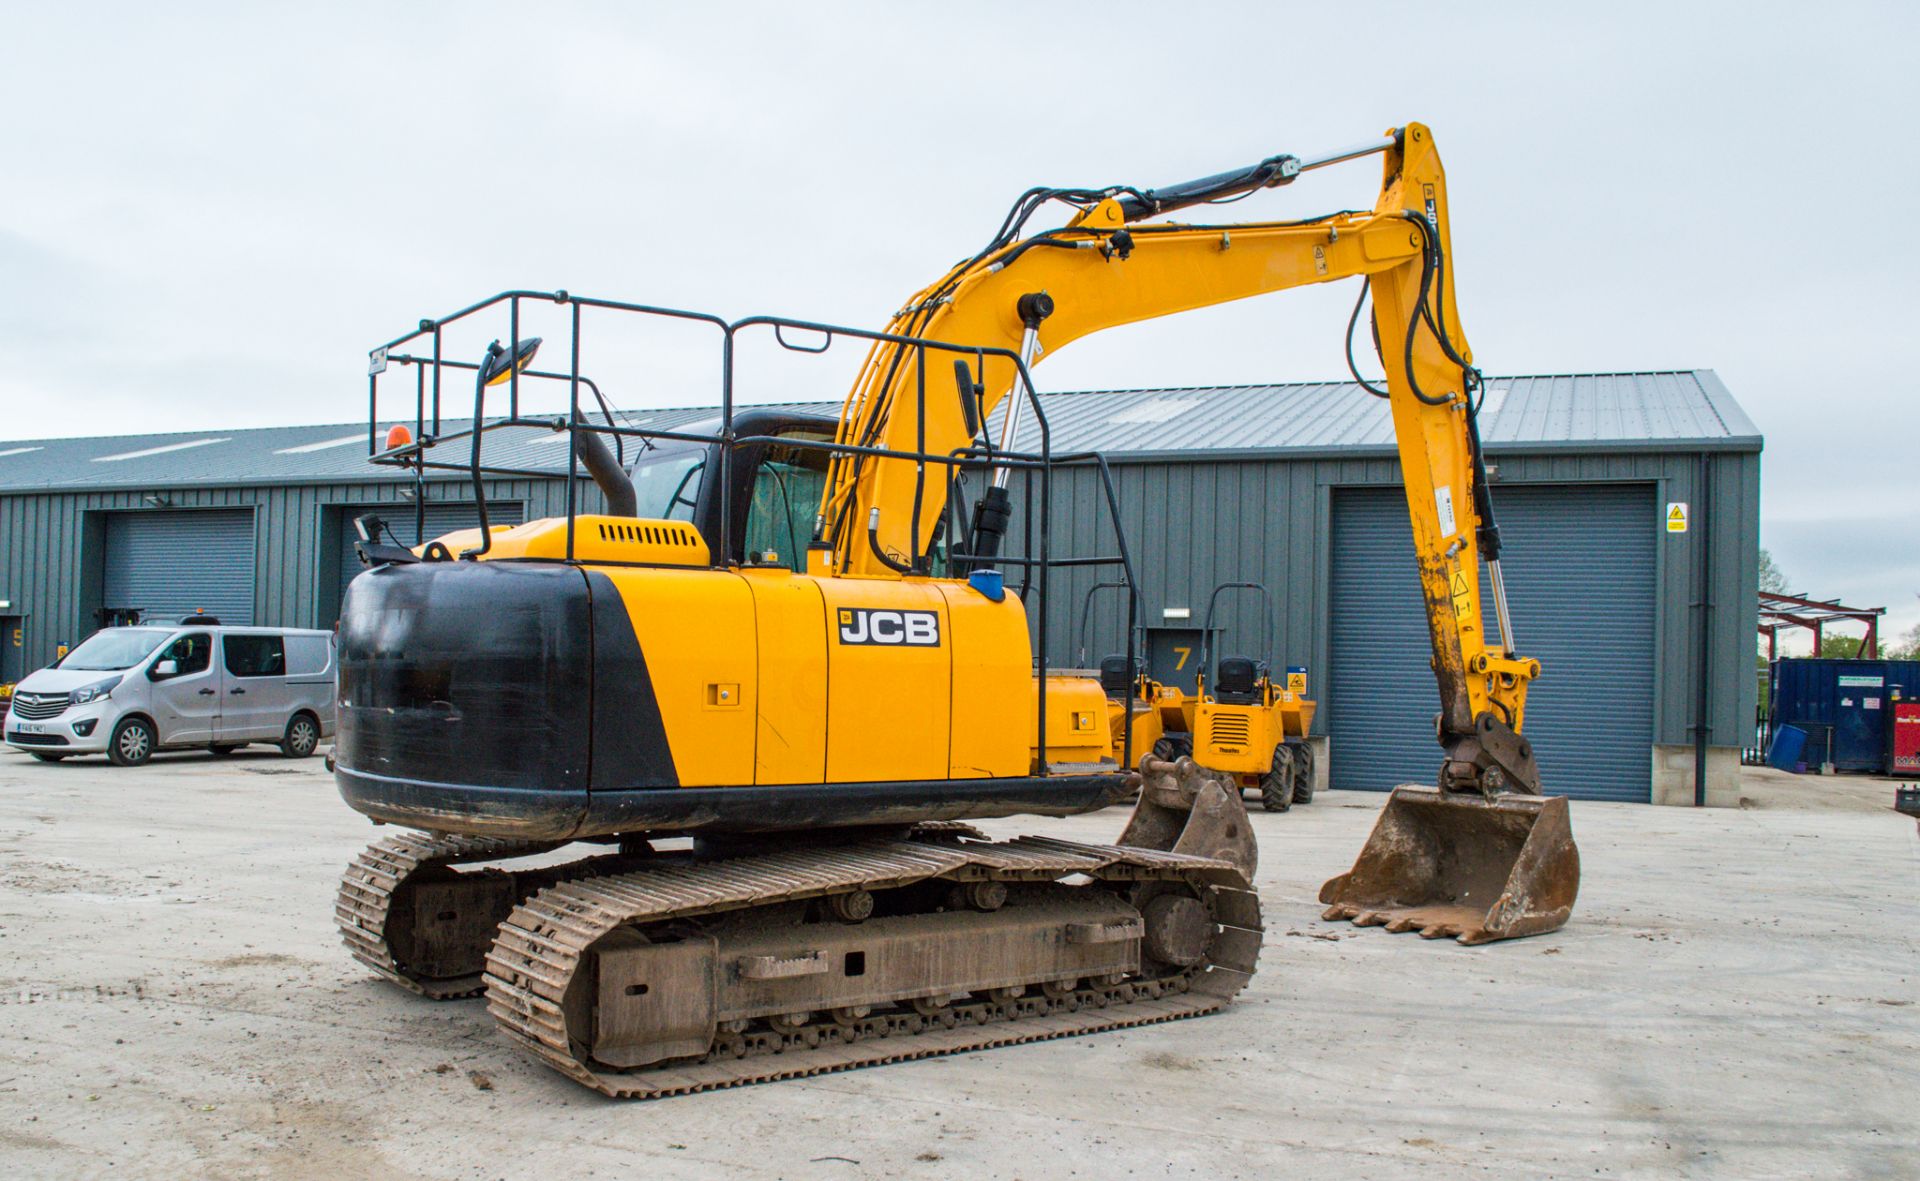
(166, 668)
(501, 364)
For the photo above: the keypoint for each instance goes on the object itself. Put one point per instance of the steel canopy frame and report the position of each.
(1795, 611)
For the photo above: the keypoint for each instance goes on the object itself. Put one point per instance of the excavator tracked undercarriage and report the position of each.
(644, 974)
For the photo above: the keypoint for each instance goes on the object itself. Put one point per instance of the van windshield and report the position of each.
(115, 649)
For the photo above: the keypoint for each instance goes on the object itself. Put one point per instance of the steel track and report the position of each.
(545, 942)
(367, 891)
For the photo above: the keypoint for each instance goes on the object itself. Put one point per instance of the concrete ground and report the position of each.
(1735, 997)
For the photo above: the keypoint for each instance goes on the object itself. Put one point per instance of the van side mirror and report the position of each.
(165, 669)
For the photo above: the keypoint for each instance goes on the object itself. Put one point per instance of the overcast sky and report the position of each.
(209, 214)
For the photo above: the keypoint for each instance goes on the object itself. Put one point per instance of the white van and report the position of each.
(129, 691)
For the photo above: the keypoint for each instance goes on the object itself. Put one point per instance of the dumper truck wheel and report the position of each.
(132, 742)
(1276, 787)
(1173, 746)
(1302, 774)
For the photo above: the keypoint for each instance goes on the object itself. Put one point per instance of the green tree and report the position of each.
(1907, 647)
(1773, 580)
(1842, 647)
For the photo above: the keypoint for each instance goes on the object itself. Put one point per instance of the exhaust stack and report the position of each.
(608, 475)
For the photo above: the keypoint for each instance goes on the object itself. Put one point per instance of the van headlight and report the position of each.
(95, 691)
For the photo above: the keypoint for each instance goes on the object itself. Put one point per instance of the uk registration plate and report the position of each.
(31, 727)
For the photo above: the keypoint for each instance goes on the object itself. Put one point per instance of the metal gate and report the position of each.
(1579, 562)
(441, 519)
(172, 563)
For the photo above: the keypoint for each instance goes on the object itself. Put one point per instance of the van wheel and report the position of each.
(223, 749)
(44, 757)
(302, 737)
(132, 742)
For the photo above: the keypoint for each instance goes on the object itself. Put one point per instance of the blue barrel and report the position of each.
(1788, 742)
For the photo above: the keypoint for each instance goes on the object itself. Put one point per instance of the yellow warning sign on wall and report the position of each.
(1676, 516)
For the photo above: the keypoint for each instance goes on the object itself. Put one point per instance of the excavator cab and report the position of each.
(775, 485)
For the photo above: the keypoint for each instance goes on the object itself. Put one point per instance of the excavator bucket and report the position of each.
(1467, 866)
(1185, 808)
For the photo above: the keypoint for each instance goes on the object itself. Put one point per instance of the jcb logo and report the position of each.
(912, 629)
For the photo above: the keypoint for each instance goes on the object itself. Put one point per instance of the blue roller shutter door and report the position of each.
(173, 563)
(1581, 585)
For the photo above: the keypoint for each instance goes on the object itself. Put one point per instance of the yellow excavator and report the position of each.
(772, 712)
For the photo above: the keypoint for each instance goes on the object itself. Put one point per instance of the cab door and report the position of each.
(186, 701)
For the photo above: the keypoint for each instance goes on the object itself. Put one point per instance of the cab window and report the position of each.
(667, 487)
(254, 656)
(193, 653)
(786, 497)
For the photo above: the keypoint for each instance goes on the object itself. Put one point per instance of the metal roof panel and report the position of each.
(1602, 411)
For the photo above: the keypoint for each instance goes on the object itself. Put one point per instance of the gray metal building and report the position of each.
(1292, 486)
